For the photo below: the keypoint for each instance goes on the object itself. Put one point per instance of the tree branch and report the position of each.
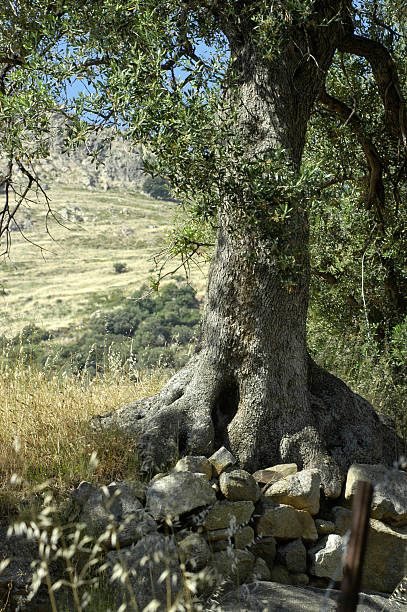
(333, 280)
(386, 77)
(376, 195)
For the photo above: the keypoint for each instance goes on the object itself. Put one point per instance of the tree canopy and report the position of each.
(221, 94)
(161, 70)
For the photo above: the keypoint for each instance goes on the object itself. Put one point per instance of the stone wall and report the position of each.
(208, 523)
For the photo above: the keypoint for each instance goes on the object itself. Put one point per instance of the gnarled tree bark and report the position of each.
(252, 386)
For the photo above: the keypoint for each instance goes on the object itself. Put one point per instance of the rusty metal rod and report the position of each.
(352, 573)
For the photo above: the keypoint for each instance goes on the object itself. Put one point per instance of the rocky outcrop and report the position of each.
(180, 535)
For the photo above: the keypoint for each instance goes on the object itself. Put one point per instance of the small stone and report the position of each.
(260, 571)
(178, 493)
(225, 515)
(215, 484)
(301, 490)
(221, 460)
(279, 573)
(244, 537)
(326, 558)
(285, 522)
(324, 527)
(194, 552)
(274, 473)
(238, 485)
(299, 579)
(233, 564)
(294, 556)
(265, 547)
(194, 464)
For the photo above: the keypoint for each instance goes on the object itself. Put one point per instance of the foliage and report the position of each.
(165, 72)
(120, 268)
(157, 188)
(142, 332)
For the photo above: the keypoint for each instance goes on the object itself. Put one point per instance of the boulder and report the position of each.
(326, 558)
(140, 567)
(194, 464)
(194, 552)
(386, 552)
(238, 485)
(270, 597)
(274, 473)
(285, 522)
(294, 556)
(221, 460)
(177, 493)
(389, 502)
(228, 515)
(301, 490)
(115, 511)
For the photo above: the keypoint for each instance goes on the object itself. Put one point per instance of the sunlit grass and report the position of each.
(44, 424)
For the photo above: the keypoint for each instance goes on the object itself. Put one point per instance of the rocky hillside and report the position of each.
(119, 163)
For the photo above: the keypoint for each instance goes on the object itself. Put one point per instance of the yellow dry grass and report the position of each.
(72, 275)
(44, 426)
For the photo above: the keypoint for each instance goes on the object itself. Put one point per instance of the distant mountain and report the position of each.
(119, 164)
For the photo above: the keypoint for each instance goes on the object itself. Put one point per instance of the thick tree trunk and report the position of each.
(252, 386)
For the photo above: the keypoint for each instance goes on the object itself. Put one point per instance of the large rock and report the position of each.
(140, 567)
(285, 522)
(238, 485)
(386, 553)
(178, 493)
(389, 502)
(327, 558)
(301, 490)
(191, 463)
(114, 511)
(228, 515)
(272, 597)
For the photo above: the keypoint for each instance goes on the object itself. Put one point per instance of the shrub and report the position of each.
(120, 268)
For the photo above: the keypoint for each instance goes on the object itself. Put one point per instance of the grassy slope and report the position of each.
(73, 276)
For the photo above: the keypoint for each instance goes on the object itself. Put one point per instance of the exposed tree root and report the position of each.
(201, 409)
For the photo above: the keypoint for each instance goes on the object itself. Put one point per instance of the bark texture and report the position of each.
(252, 386)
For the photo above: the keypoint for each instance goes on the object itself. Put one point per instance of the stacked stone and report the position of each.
(218, 522)
(207, 522)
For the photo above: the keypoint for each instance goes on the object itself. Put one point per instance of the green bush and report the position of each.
(143, 332)
(120, 268)
(157, 188)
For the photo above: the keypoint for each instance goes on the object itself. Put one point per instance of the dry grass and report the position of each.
(49, 415)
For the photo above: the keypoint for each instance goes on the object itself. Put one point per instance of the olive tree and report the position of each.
(221, 93)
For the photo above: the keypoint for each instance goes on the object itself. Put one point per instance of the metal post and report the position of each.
(352, 573)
